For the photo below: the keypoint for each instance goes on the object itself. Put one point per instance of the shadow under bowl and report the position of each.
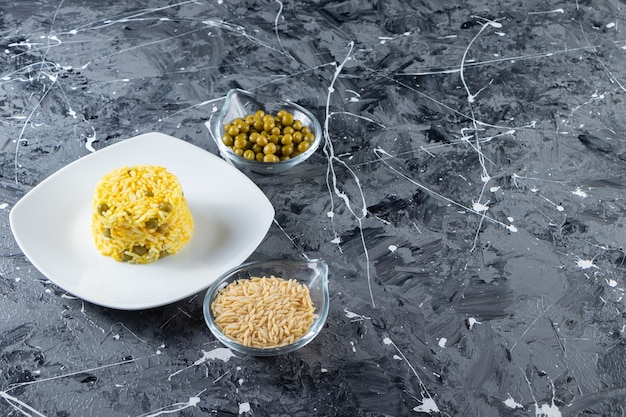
(312, 273)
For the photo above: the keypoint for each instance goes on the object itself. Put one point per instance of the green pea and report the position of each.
(287, 139)
(287, 150)
(240, 142)
(249, 154)
(152, 223)
(287, 119)
(258, 125)
(228, 140)
(270, 148)
(303, 146)
(270, 158)
(102, 208)
(165, 206)
(233, 130)
(265, 137)
(140, 250)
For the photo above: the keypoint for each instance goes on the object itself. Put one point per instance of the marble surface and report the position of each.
(468, 197)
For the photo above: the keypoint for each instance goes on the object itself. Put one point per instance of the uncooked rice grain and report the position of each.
(139, 214)
(264, 312)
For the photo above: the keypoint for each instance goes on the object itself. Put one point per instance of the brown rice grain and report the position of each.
(264, 312)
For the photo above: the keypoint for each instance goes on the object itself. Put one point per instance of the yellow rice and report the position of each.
(139, 214)
(264, 312)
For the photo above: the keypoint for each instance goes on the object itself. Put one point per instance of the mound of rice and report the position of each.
(140, 214)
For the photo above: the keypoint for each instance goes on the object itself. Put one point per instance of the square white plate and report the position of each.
(51, 224)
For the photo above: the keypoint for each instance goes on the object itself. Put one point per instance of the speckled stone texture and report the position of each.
(468, 197)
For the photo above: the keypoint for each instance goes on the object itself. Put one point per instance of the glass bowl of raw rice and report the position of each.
(268, 308)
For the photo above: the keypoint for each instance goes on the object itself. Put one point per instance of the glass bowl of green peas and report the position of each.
(264, 134)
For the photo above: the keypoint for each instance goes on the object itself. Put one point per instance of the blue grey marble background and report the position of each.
(468, 197)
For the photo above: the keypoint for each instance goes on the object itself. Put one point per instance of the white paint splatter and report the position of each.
(585, 264)
(23, 407)
(355, 316)
(244, 408)
(392, 248)
(549, 11)
(548, 410)
(442, 342)
(69, 297)
(494, 189)
(396, 357)
(223, 354)
(612, 283)
(3, 206)
(560, 208)
(512, 228)
(90, 140)
(428, 406)
(479, 207)
(170, 409)
(579, 193)
(511, 403)
(471, 322)
(350, 314)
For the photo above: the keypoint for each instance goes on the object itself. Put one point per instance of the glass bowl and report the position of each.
(313, 273)
(240, 103)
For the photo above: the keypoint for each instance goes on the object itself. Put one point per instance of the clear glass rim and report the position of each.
(320, 320)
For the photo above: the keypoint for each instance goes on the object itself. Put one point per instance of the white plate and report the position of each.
(51, 224)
